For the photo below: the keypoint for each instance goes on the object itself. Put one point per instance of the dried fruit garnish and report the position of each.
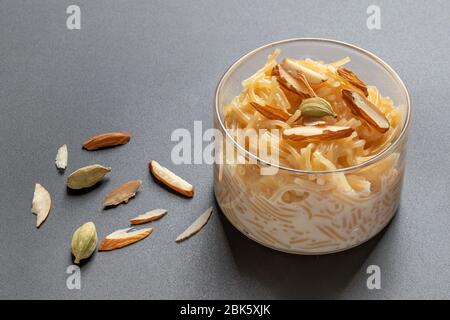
(149, 216)
(41, 204)
(106, 140)
(316, 107)
(317, 133)
(123, 237)
(122, 193)
(316, 123)
(61, 157)
(170, 179)
(301, 78)
(289, 82)
(353, 79)
(87, 176)
(195, 227)
(296, 68)
(365, 109)
(271, 112)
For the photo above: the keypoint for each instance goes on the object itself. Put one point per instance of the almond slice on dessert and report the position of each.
(365, 109)
(353, 79)
(271, 112)
(149, 216)
(195, 227)
(301, 78)
(316, 123)
(170, 179)
(122, 238)
(317, 133)
(296, 68)
(289, 82)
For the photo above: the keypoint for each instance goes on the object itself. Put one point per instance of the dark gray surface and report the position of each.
(149, 67)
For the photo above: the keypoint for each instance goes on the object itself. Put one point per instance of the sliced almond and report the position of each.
(289, 82)
(122, 238)
(271, 112)
(365, 109)
(296, 116)
(296, 68)
(318, 123)
(317, 133)
(195, 227)
(353, 79)
(122, 193)
(149, 216)
(170, 179)
(41, 204)
(61, 157)
(301, 78)
(106, 140)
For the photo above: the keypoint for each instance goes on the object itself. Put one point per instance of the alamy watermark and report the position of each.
(73, 21)
(373, 21)
(237, 146)
(374, 280)
(73, 281)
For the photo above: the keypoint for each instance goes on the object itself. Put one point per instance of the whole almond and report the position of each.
(122, 193)
(87, 176)
(106, 140)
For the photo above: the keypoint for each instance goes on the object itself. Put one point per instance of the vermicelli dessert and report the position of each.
(320, 119)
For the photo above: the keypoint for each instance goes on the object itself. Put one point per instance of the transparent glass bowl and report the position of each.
(316, 220)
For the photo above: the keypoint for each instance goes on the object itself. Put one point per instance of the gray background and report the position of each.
(149, 67)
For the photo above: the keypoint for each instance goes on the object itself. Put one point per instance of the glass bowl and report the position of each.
(317, 219)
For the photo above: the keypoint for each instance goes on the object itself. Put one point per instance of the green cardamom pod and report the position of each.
(84, 241)
(316, 107)
(87, 176)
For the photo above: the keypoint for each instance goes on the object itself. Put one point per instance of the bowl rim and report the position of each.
(382, 154)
